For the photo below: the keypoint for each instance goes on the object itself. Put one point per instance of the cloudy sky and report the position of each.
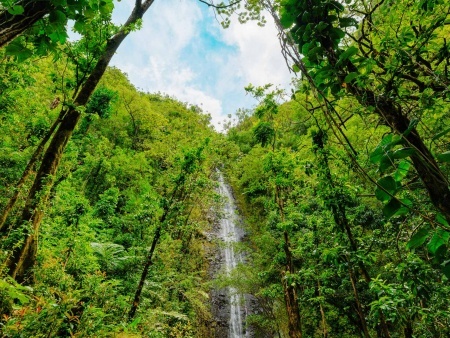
(183, 51)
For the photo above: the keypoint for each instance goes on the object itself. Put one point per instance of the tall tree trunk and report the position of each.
(322, 313)
(340, 218)
(290, 291)
(12, 26)
(27, 172)
(147, 265)
(290, 294)
(23, 257)
(433, 179)
(361, 315)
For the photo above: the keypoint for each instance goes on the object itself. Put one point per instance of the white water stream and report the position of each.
(230, 234)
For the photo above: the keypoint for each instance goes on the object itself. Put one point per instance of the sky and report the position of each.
(183, 51)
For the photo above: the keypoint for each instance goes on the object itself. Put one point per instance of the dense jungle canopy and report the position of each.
(108, 193)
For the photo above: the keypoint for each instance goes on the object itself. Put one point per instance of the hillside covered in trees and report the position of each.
(109, 195)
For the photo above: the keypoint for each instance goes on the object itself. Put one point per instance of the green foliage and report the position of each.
(51, 29)
(109, 194)
(338, 222)
(101, 102)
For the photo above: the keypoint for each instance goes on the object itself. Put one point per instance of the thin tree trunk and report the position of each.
(23, 257)
(147, 265)
(290, 293)
(322, 313)
(408, 331)
(27, 172)
(361, 315)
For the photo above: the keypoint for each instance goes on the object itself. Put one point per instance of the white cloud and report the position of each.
(259, 59)
(164, 56)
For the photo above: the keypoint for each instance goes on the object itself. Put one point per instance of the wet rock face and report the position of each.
(226, 304)
(220, 312)
(228, 308)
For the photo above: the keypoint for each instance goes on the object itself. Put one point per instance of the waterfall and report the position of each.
(231, 234)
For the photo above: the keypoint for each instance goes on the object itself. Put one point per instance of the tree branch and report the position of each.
(209, 4)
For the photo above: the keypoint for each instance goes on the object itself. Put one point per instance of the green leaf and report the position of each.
(321, 26)
(295, 68)
(16, 49)
(419, 238)
(386, 162)
(440, 238)
(402, 211)
(446, 270)
(439, 135)
(57, 17)
(388, 142)
(106, 7)
(79, 26)
(444, 157)
(58, 36)
(441, 219)
(388, 183)
(286, 18)
(412, 124)
(16, 10)
(402, 170)
(347, 22)
(403, 152)
(338, 6)
(377, 154)
(337, 34)
(350, 77)
(391, 208)
(314, 52)
(348, 53)
(381, 195)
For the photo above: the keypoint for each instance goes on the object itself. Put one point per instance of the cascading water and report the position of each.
(231, 234)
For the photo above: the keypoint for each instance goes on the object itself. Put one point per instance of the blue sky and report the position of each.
(183, 51)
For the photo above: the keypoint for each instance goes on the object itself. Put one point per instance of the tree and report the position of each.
(48, 20)
(23, 257)
(402, 78)
(172, 210)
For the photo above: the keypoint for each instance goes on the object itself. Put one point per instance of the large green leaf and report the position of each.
(441, 219)
(419, 238)
(347, 22)
(391, 208)
(387, 143)
(403, 152)
(402, 170)
(440, 238)
(16, 10)
(57, 17)
(349, 52)
(387, 187)
(16, 49)
(446, 269)
(286, 18)
(444, 157)
(350, 77)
